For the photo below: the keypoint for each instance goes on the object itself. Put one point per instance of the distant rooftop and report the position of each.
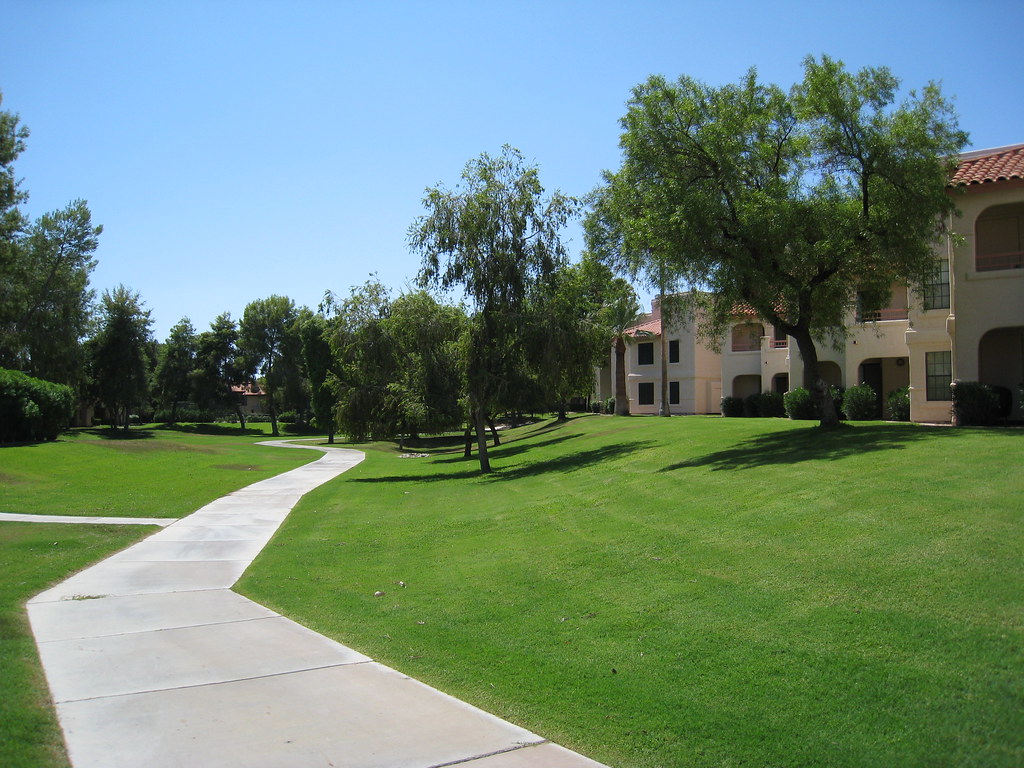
(987, 166)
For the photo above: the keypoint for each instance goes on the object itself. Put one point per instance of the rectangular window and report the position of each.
(673, 393)
(645, 353)
(938, 374)
(645, 393)
(673, 351)
(936, 287)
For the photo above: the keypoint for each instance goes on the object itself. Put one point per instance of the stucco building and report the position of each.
(966, 323)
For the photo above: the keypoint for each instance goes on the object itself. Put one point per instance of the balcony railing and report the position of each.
(990, 262)
(747, 346)
(779, 343)
(889, 313)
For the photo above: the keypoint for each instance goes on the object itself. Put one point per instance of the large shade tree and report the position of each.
(218, 369)
(45, 301)
(799, 205)
(269, 345)
(119, 353)
(175, 363)
(493, 236)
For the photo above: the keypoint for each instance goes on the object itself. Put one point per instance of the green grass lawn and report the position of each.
(690, 591)
(32, 557)
(152, 473)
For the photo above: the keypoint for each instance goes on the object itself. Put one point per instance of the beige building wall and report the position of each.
(981, 333)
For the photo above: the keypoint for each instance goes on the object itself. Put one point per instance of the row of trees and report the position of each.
(795, 204)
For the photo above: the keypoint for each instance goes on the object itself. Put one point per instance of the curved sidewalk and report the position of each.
(153, 661)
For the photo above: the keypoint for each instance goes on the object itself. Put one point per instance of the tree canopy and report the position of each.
(794, 205)
(494, 236)
(45, 302)
(269, 345)
(119, 353)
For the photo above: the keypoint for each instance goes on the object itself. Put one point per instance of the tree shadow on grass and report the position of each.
(813, 444)
(510, 448)
(567, 462)
(213, 429)
(106, 433)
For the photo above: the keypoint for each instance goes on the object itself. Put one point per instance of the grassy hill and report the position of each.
(690, 591)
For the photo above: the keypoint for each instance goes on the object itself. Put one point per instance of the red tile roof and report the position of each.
(652, 327)
(990, 165)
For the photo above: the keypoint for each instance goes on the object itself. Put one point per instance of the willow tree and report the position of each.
(799, 204)
(493, 236)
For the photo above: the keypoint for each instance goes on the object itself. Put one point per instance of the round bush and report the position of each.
(732, 406)
(898, 402)
(772, 405)
(799, 405)
(32, 409)
(752, 405)
(860, 403)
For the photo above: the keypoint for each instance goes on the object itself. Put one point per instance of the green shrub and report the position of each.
(732, 406)
(752, 405)
(32, 409)
(771, 405)
(799, 405)
(609, 405)
(289, 417)
(860, 403)
(898, 402)
(975, 403)
(185, 416)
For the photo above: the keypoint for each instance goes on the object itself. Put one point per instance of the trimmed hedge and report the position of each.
(978, 404)
(732, 406)
(860, 403)
(771, 405)
(898, 402)
(32, 409)
(185, 416)
(799, 405)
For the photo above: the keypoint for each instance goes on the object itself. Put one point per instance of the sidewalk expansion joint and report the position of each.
(505, 751)
(231, 681)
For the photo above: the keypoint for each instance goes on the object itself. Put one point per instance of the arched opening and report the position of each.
(746, 337)
(831, 373)
(999, 238)
(744, 386)
(1001, 362)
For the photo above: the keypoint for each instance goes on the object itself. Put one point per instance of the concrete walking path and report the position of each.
(153, 661)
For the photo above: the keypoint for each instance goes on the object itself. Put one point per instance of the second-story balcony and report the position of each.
(991, 262)
(889, 313)
(782, 343)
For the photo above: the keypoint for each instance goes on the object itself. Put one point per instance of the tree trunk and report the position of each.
(621, 396)
(494, 432)
(241, 415)
(820, 393)
(274, 432)
(174, 411)
(468, 437)
(664, 409)
(481, 439)
(330, 438)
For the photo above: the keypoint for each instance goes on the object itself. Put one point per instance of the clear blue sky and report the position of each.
(233, 150)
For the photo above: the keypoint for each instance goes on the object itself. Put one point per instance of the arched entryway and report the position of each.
(1001, 362)
(884, 374)
(831, 373)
